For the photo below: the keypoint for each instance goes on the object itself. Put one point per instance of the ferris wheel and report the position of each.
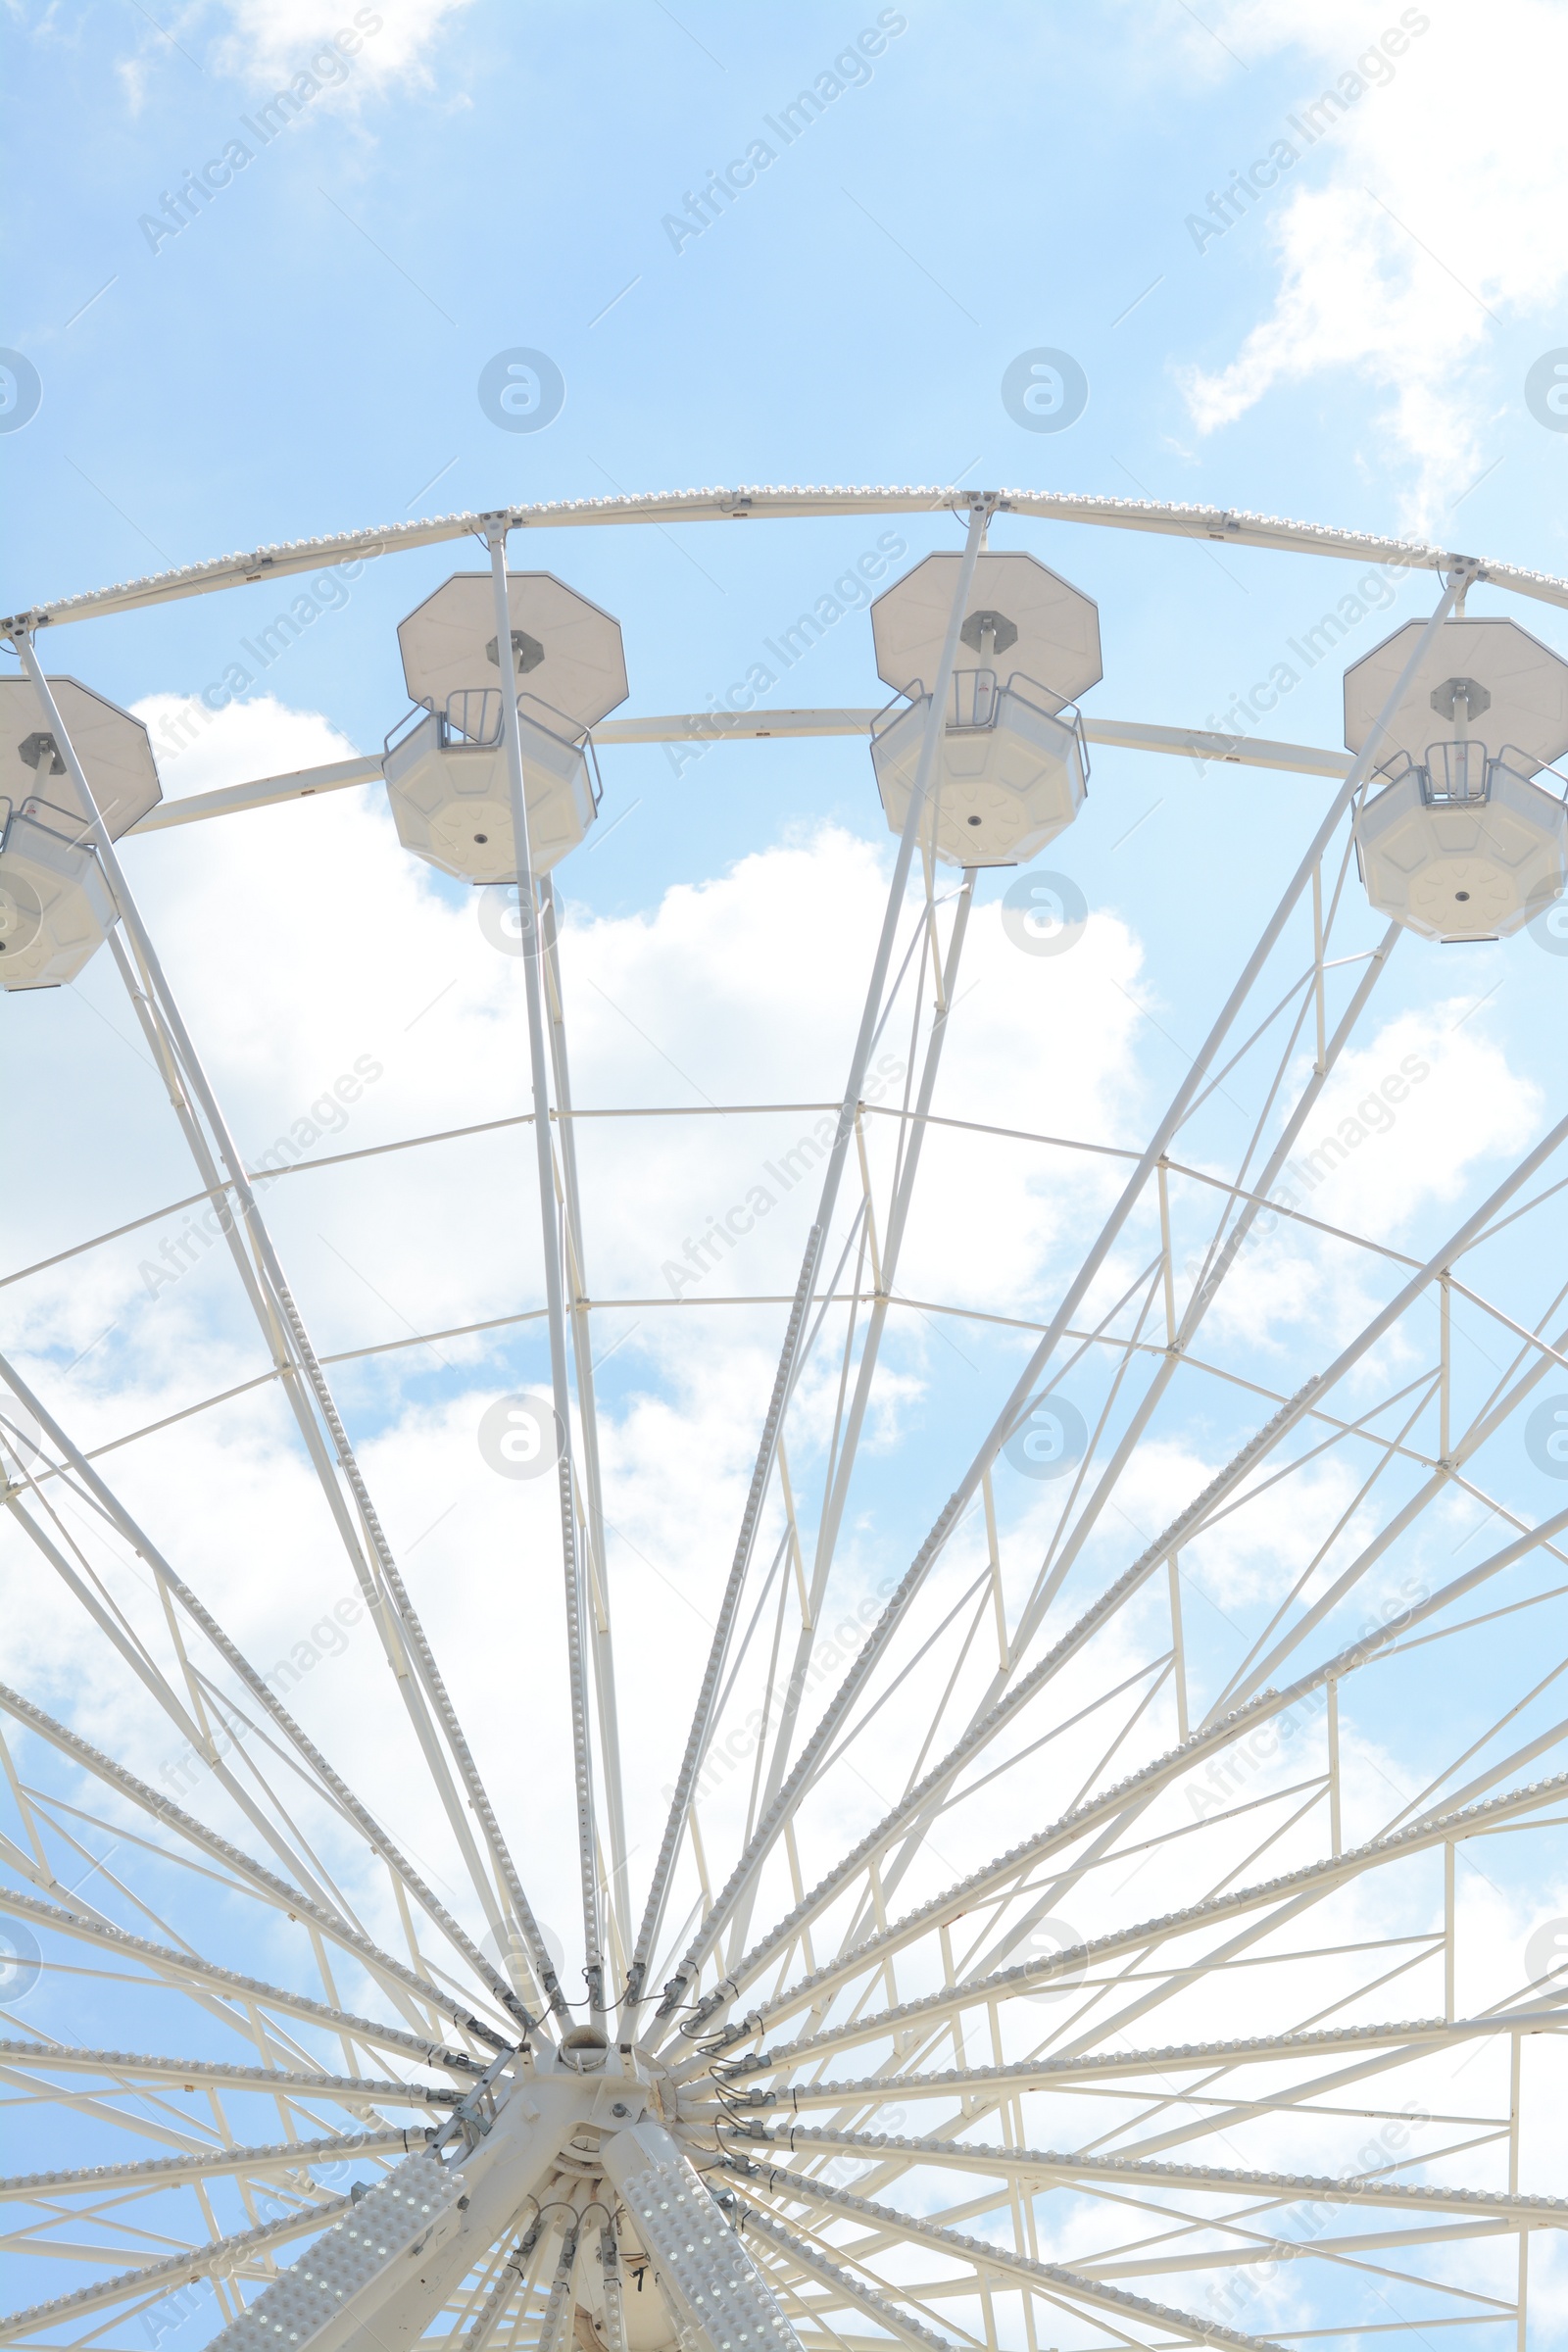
(989, 1943)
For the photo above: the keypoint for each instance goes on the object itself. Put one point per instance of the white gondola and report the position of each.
(1012, 766)
(446, 763)
(55, 907)
(1459, 841)
(446, 779)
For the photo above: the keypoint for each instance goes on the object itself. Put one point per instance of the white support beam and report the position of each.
(1234, 527)
(845, 2284)
(1019, 2270)
(335, 1788)
(1033, 1379)
(174, 2172)
(127, 2067)
(378, 2281)
(1060, 2170)
(423, 1694)
(1195, 2057)
(715, 2293)
(257, 1880)
(265, 791)
(539, 1075)
(1200, 744)
(1207, 750)
(740, 1886)
(1214, 1911)
(1109, 1805)
(178, 1967)
(246, 2255)
(739, 727)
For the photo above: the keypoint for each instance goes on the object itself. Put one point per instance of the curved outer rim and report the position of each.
(1241, 529)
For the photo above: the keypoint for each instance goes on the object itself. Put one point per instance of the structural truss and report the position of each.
(1016, 1960)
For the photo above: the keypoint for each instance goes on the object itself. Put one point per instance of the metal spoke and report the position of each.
(280, 1320)
(959, 2155)
(871, 1013)
(181, 1966)
(165, 2172)
(907, 2004)
(597, 1611)
(345, 2089)
(1074, 2286)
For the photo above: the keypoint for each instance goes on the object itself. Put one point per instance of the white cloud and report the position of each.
(303, 938)
(1256, 1551)
(270, 42)
(1406, 1119)
(1401, 1138)
(198, 749)
(1426, 214)
(348, 50)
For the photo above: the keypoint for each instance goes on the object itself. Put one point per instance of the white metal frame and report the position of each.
(525, 2163)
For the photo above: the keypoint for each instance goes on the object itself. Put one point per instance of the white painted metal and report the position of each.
(266, 792)
(451, 799)
(736, 2166)
(113, 747)
(1012, 775)
(197, 1109)
(676, 1985)
(501, 607)
(1460, 843)
(716, 2287)
(55, 907)
(1523, 702)
(447, 777)
(1009, 773)
(1233, 527)
(1463, 868)
(1202, 746)
(55, 912)
(1018, 617)
(574, 1278)
(1018, 1404)
(566, 651)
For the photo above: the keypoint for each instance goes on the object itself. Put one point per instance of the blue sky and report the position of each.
(1366, 342)
(303, 355)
